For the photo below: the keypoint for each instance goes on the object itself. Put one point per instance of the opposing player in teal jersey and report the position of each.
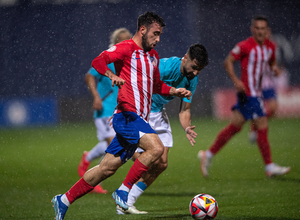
(105, 101)
(179, 73)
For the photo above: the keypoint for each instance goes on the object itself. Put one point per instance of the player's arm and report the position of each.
(106, 57)
(180, 92)
(163, 89)
(229, 67)
(91, 83)
(272, 62)
(115, 80)
(274, 67)
(185, 121)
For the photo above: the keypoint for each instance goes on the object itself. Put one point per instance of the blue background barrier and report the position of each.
(29, 111)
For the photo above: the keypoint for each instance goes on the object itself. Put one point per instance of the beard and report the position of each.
(188, 75)
(145, 44)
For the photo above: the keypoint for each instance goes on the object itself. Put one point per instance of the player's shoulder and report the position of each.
(247, 42)
(93, 71)
(171, 64)
(126, 45)
(244, 46)
(173, 59)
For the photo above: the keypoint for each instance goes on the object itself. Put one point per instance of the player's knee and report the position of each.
(107, 173)
(158, 150)
(162, 167)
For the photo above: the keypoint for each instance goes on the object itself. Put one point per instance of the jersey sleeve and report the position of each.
(113, 54)
(192, 88)
(238, 51)
(159, 86)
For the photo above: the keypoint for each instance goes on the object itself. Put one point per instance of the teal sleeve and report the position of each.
(192, 88)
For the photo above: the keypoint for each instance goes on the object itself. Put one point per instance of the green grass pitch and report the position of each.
(38, 163)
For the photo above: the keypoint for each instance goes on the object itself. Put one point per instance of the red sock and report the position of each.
(78, 189)
(224, 135)
(264, 146)
(135, 173)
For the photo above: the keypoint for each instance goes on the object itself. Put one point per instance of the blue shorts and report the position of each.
(269, 94)
(252, 108)
(129, 128)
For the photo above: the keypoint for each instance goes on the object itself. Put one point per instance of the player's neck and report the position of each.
(137, 40)
(260, 43)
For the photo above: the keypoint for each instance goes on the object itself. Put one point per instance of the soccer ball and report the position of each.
(203, 206)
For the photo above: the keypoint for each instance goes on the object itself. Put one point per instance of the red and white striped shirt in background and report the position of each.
(268, 81)
(254, 61)
(140, 71)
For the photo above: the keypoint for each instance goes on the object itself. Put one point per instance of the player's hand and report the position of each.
(183, 93)
(115, 80)
(239, 86)
(276, 70)
(191, 134)
(97, 104)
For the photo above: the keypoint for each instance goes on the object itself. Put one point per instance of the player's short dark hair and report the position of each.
(259, 18)
(198, 52)
(149, 18)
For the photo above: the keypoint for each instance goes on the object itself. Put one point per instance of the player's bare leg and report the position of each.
(153, 147)
(98, 188)
(235, 125)
(86, 184)
(105, 169)
(271, 108)
(156, 169)
(148, 178)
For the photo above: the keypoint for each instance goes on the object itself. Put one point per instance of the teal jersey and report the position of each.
(169, 69)
(107, 93)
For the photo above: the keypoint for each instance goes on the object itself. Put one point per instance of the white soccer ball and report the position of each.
(203, 206)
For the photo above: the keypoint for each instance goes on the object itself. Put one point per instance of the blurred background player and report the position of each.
(254, 53)
(268, 86)
(105, 101)
(137, 76)
(177, 72)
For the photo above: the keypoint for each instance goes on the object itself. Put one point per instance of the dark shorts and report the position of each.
(269, 94)
(250, 107)
(129, 128)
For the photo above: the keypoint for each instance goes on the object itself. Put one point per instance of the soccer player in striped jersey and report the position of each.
(268, 93)
(137, 76)
(254, 53)
(104, 103)
(177, 72)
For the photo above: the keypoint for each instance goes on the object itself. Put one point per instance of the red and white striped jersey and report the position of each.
(254, 61)
(140, 71)
(268, 81)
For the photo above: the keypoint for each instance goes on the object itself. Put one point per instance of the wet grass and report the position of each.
(38, 163)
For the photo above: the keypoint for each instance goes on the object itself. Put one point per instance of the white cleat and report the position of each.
(130, 210)
(277, 170)
(204, 162)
